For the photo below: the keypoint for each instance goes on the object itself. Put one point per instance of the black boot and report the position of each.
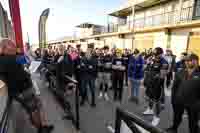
(171, 130)
(82, 103)
(46, 129)
(93, 105)
(68, 115)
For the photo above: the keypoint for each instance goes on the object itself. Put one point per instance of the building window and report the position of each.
(197, 10)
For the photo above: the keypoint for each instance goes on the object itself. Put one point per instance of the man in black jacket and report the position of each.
(89, 71)
(186, 95)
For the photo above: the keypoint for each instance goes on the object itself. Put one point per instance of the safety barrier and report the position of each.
(5, 118)
(134, 123)
(69, 103)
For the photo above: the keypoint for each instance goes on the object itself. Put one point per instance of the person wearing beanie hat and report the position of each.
(19, 85)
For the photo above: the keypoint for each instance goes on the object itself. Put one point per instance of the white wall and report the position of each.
(128, 41)
(179, 42)
(84, 32)
(91, 41)
(188, 3)
(111, 41)
(84, 46)
(99, 43)
(160, 40)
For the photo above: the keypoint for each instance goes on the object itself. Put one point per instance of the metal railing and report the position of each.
(172, 17)
(134, 123)
(4, 121)
(69, 103)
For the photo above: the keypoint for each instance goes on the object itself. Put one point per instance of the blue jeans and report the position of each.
(85, 84)
(135, 87)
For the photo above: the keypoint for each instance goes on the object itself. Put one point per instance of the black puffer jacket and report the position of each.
(65, 66)
(89, 67)
(187, 92)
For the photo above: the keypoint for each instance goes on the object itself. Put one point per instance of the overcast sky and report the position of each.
(64, 15)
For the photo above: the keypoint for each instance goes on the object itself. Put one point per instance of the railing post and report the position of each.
(188, 14)
(118, 121)
(77, 108)
(180, 10)
(152, 20)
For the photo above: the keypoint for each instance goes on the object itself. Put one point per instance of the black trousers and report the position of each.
(157, 107)
(88, 83)
(118, 78)
(169, 78)
(163, 91)
(126, 76)
(193, 118)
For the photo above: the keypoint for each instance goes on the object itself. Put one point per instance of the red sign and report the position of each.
(16, 20)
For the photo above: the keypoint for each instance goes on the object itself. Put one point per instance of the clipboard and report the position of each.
(34, 66)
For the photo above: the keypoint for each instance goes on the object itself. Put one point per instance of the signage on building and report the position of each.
(97, 38)
(82, 40)
(122, 36)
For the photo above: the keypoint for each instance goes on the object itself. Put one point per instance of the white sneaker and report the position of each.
(106, 97)
(148, 112)
(185, 115)
(100, 95)
(155, 121)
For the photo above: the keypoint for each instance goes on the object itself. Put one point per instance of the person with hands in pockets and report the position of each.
(118, 69)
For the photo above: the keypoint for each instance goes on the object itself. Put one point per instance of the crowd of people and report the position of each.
(113, 69)
(154, 69)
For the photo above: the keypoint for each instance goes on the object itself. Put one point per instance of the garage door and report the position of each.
(194, 44)
(179, 42)
(143, 44)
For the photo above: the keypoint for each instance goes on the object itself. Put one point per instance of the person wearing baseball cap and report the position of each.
(186, 95)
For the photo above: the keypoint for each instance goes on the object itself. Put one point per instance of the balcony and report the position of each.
(141, 4)
(164, 19)
(168, 18)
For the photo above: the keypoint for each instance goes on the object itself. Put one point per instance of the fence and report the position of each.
(5, 118)
(134, 123)
(69, 103)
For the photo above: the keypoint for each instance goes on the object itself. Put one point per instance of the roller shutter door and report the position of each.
(143, 44)
(194, 44)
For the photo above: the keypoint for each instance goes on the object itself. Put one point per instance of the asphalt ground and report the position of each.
(92, 120)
